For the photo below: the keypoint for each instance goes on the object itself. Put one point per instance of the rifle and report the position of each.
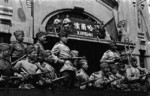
(144, 75)
(37, 74)
(19, 59)
(92, 81)
(10, 78)
(87, 82)
(74, 58)
(60, 78)
(16, 77)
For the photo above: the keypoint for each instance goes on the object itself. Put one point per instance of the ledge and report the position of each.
(94, 40)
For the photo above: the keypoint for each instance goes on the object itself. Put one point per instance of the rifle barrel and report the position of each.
(57, 79)
(19, 59)
(72, 58)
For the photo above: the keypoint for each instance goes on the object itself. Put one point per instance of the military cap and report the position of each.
(63, 33)
(104, 65)
(18, 32)
(39, 34)
(74, 53)
(81, 61)
(4, 46)
(30, 49)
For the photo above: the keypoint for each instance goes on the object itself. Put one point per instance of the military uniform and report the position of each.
(133, 76)
(5, 64)
(132, 73)
(82, 76)
(46, 64)
(39, 47)
(27, 65)
(109, 56)
(100, 80)
(17, 48)
(61, 50)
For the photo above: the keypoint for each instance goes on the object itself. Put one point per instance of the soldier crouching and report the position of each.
(101, 79)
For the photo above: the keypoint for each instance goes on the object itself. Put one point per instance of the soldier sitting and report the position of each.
(111, 56)
(57, 24)
(81, 74)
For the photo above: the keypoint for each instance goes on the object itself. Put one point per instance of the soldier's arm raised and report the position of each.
(105, 58)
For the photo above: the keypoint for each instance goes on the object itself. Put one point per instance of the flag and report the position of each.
(112, 29)
(28, 2)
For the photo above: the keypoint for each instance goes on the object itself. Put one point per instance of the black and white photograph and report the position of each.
(74, 47)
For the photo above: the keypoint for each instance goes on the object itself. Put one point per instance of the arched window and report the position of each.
(79, 23)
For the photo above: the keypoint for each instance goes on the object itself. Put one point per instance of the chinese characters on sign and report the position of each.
(83, 28)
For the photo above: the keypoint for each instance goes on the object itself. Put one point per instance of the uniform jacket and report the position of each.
(109, 56)
(5, 67)
(17, 50)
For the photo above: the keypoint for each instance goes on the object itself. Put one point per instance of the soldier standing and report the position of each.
(61, 50)
(111, 56)
(57, 24)
(17, 47)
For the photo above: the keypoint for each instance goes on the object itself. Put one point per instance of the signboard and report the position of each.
(83, 28)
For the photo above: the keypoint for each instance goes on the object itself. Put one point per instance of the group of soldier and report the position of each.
(34, 67)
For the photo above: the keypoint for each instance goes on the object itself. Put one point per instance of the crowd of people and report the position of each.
(34, 67)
